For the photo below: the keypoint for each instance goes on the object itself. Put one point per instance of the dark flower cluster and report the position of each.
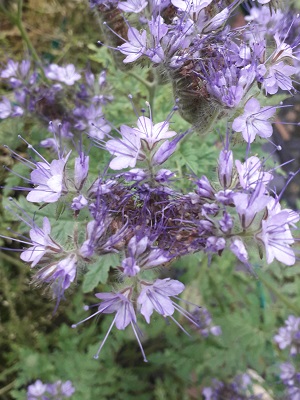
(288, 337)
(50, 391)
(72, 101)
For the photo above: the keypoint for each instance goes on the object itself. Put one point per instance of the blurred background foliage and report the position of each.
(37, 344)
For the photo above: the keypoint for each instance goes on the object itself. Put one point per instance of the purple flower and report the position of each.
(79, 202)
(226, 222)
(135, 47)
(120, 304)
(36, 390)
(91, 119)
(156, 297)
(67, 74)
(11, 70)
(135, 6)
(50, 181)
(5, 108)
(142, 256)
(60, 274)
(126, 150)
(225, 165)
(289, 335)
(42, 244)
(55, 391)
(251, 173)
(254, 121)
(81, 170)
(166, 150)
(278, 77)
(151, 133)
(277, 238)
(204, 188)
(238, 249)
(249, 205)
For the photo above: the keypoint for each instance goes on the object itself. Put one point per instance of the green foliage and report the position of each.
(98, 271)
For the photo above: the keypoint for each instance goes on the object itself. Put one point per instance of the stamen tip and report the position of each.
(278, 148)
(86, 308)
(74, 326)
(96, 356)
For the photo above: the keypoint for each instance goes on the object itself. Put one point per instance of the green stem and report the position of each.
(150, 86)
(7, 387)
(25, 37)
(278, 294)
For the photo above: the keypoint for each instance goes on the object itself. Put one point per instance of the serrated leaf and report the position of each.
(98, 271)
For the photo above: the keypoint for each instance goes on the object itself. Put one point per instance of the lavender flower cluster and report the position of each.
(50, 391)
(214, 69)
(288, 337)
(73, 104)
(137, 212)
(238, 389)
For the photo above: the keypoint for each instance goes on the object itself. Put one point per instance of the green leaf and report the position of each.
(98, 271)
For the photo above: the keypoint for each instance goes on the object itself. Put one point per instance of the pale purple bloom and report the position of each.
(254, 121)
(11, 70)
(191, 6)
(50, 181)
(225, 165)
(156, 297)
(239, 250)
(120, 304)
(55, 391)
(81, 170)
(287, 372)
(278, 77)
(36, 390)
(204, 188)
(251, 173)
(67, 74)
(215, 244)
(277, 238)
(141, 255)
(126, 150)
(91, 119)
(166, 150)
(226, 223)
(135, 6)
(205, 323)
(130, 266)
(42, 244)
(249, 205)
(5, 108)
(151, 133)
(79, 203)
(164, 175)
(136, 45)
(61, 274)
(135, 174)
(289, 335)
